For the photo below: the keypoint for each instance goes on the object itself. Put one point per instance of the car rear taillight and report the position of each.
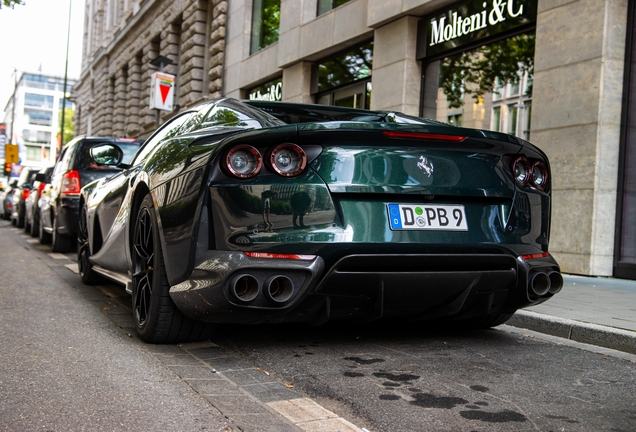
(539, 175)
(25, 194)
(41, 188)
(243, 161)
(521, 170)
(529, 172)
(288, 160)
(424, 136)
(71, 183)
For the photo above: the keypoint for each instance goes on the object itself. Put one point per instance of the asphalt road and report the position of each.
(69, 360)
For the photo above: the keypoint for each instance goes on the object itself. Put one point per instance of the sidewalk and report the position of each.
(593, 310)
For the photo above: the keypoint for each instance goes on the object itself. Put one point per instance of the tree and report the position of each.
(11, 3)
(507, 60)
(69, 126)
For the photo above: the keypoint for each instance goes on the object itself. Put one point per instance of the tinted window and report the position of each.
(167, 131)
(232, 113)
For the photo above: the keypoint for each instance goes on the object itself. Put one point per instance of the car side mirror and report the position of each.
(107, 154)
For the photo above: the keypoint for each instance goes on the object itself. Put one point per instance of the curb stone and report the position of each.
(593, 334)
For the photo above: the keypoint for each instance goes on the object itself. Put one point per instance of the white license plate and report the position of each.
(427, 217)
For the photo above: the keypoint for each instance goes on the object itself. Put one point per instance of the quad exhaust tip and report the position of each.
(556, 282)
(244, 287)
(540, 284)
(279, 288)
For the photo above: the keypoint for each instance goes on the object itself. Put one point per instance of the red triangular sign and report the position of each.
(165, 89)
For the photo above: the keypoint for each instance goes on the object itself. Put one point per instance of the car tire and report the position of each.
(35, 225)
(45, 238)
(84, 265)
(156, 316)
(27, 225)
(60, 242)
(20, 220)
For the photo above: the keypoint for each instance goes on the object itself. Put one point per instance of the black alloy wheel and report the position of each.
(157, 318)
(86, 272)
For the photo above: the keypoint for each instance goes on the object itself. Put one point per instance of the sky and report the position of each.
(33, 36)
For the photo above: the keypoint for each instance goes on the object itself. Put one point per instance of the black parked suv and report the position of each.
(73, 170)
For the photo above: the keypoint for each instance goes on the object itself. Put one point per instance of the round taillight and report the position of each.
(539, 175)
(243, 161)
(288, 160)
(521, 170)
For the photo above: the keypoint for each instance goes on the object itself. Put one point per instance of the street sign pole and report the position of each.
(160, 62)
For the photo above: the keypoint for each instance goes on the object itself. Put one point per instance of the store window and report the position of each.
(265, 24)
(478, 62)
(484, 86)
(345, 80)
(326, 5)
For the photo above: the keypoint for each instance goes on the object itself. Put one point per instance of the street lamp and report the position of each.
(68, 38)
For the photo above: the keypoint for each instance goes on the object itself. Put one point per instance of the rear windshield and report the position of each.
(83, 159)
(326, 113)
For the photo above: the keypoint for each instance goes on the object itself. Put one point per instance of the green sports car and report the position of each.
(254, 212)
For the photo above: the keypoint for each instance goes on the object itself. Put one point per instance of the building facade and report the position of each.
(38, 103)
(556, 73)
(122, 38)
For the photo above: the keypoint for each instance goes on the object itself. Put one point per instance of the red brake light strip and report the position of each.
(425, 136)
(280, 256)
(537, 255)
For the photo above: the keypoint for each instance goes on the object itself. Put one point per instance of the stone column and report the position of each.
(396, 74)
(216, 50)
(297, 83)
(133, 127)
(109, 101)
(193, 35)
(119, 111)
(147, 115)
(577, 94)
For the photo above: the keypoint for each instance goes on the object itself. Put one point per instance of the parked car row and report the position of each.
(45, 202)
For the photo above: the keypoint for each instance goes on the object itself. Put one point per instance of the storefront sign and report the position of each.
(162, 91)
(271, 91)
(471, 22)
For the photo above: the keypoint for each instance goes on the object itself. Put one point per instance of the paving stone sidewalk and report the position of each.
(594, 310)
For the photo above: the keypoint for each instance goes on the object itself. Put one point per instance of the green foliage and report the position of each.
(271, 22)
(506, 60)
(69, 126)
(11, 3)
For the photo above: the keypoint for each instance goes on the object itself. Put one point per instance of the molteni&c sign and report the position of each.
(472, 21)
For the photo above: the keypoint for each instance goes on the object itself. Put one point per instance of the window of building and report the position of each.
(265, 24)
(38, 100)
(327, 5)
(34, 153)
(36, 136)
(455, 120)
(345, 80)
(484, 86)
(38, 117)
